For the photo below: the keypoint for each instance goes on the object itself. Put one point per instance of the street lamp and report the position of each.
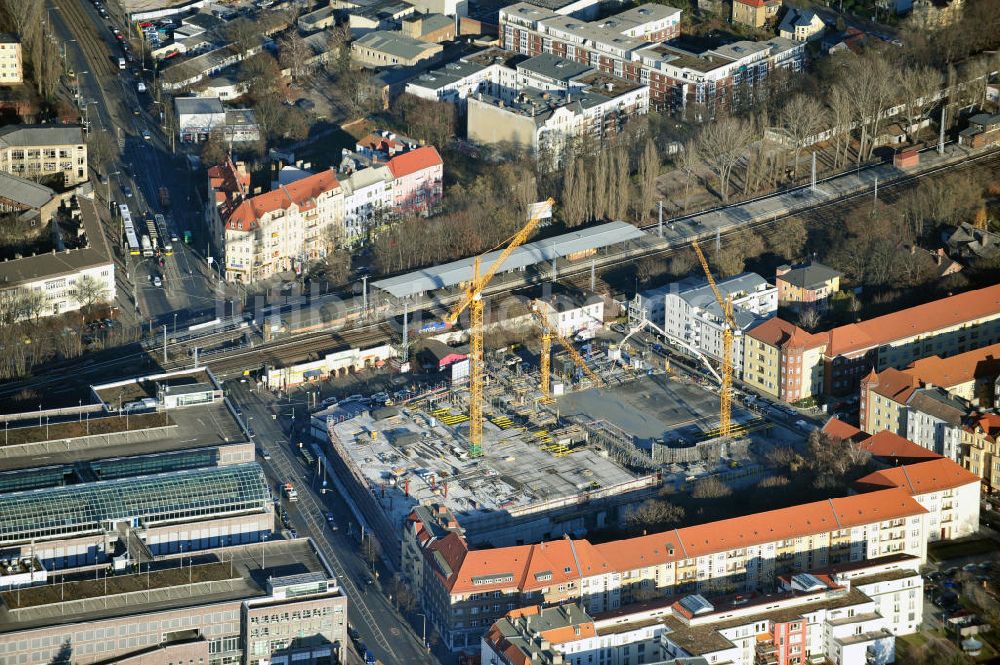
(424, 617)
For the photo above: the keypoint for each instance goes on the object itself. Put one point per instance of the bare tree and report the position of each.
(573, 201)
(620, 194)
(917, 87)
(870, 86)
(654, 514)
(803, 118)
(722, 145)
(687, 161)
(295, 55)
(649, 170)
(710, 488)
(808, 317)
(100, 148)
(788, 238)
(839, 103)
(89, 291)
(243, 33)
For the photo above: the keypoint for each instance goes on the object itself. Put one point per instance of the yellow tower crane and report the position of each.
(473, 301)
(545, 362)
(729, 325)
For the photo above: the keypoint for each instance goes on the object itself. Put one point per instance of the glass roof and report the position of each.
(57, 512)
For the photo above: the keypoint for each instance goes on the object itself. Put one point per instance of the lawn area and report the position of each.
(943, 551)
(88, 427)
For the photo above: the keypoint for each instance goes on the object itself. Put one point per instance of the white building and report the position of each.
(843, 616)
(489, 72)
(367, 194)
(948, 492)
(198, 117)
(571, 313)
(58, 276)
(687, 311)
(933, 420)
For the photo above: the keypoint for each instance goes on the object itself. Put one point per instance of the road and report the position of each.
(109, 99)
(385, 632)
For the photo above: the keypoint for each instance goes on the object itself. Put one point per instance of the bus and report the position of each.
(161, 227)
(134, 248)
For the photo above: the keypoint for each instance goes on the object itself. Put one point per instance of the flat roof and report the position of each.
(29, 269)
(282, 558)
(458, 272)
(396, 43)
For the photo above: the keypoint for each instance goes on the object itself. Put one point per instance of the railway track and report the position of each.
(82, 25)
(300, 346)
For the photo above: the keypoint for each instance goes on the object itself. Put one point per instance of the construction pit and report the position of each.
(549, 466)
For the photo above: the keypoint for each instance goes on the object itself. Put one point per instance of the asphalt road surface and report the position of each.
(142, 167)
(383, 630)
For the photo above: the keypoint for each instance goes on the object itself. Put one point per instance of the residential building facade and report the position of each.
(848, 353)
(306, 216)
(783, 361)
(687, 311)
(845, 616)
(755, 13)
(981, 450)
(639, 45)
(808, 285)
(801, 25)
(464, 592)
(34, 151)
(51, 280)
(11, 64)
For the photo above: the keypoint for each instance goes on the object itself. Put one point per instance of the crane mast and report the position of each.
(729, 325)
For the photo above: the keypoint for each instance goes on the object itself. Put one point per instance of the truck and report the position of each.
(147, 247)
(164, 197)
(290, 493)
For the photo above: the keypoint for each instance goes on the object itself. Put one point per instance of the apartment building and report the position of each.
(418, 181)
(11, 64)
(801, 25)
(687, 311)
(783, 361)
(641, 45)
(808, 285)
(981, 450)
(934, 420)
(35, 151)
(843, 615)
(569, 312)
(844, 355)
(56, 275)
(971, 377)
(491, 71)
(755, 13)
(949, 492)
(464, 592)
(275, 602)
(276, 231)
(304, 217)
(545, 122)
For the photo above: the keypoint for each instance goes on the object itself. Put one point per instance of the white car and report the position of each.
(146, 135)
(157, 281)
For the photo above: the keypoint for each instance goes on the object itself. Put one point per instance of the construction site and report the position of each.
(558, 434)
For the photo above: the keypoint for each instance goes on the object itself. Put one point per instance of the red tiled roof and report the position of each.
(779, 333)
(955, 370)
(914, 321)
(895, 384)
(838, 429)
(572, 559)
(923, 477)
(889, 445)
(424, 157)
(988, 422)
(301, 193)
